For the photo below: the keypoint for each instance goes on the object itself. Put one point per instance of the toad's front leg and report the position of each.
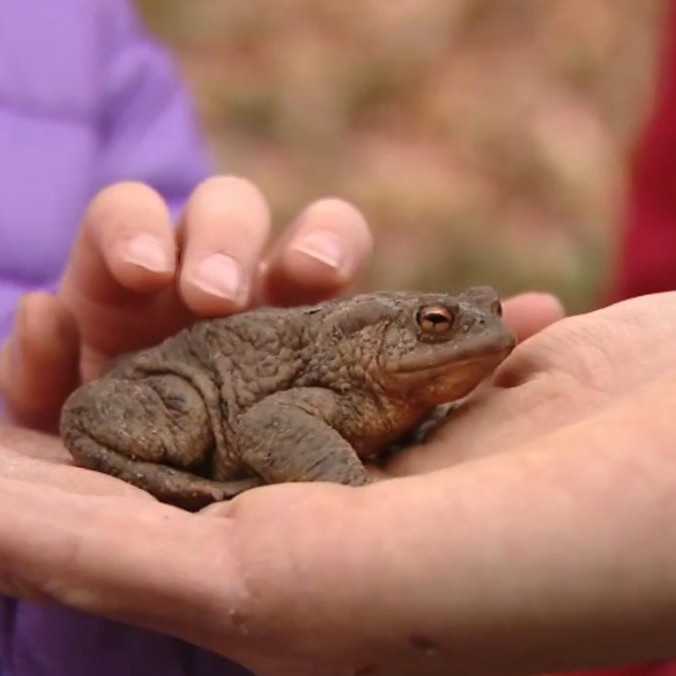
(289, 436)
(152, 432)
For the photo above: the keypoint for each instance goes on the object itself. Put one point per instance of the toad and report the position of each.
(275, 395)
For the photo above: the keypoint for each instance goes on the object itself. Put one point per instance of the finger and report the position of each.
(224, 229)
(319, 255)
(125, 251)
(528, 313)
(126, 243)
(39, 363)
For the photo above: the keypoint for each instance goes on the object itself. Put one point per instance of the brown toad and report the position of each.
(277, 395)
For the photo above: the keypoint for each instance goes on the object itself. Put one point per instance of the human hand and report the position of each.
(199, 576)
(132, 280)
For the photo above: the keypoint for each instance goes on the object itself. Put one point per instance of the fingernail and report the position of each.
(147, 252)
(221, 275)
(324, 247)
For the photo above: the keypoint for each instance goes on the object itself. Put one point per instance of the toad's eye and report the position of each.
(496, 308)
(435, 319)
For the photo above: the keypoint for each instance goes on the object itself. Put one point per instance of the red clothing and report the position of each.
(648, 255)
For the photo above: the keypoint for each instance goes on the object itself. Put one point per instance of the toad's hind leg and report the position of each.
(177, 487)
(289, 437)
(149, 432)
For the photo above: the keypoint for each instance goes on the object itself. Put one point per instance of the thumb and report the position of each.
(528, 313)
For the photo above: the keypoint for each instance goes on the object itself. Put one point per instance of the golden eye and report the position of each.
(435, 319)
(496, 308)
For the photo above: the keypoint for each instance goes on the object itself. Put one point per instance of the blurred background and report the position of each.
(485, 141)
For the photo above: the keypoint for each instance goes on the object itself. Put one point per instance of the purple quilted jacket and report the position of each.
(86, 99)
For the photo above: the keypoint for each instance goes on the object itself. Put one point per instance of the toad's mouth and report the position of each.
(437, 357)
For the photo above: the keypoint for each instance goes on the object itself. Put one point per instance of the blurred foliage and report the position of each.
(486, 141)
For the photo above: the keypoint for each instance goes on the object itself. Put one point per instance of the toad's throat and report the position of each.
(432, 357)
